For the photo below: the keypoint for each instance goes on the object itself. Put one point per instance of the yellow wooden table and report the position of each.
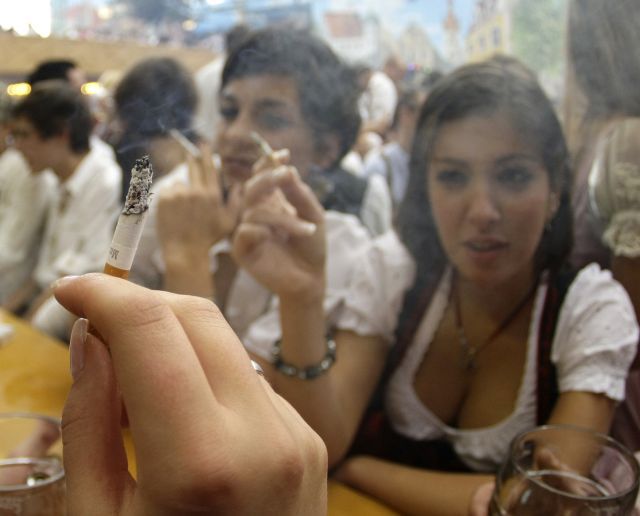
(35, 377)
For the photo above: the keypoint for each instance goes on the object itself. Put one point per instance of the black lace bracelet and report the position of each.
(305, 373)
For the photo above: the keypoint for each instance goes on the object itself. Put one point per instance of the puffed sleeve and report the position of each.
(596, 336)
(614, 186)
(383, 274)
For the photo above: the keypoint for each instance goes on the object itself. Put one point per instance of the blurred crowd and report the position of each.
(423, 265)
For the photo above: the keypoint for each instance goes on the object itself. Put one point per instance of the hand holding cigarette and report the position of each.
(190, 219)
(272, 159)
(283, 249)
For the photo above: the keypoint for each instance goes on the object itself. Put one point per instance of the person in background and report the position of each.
(496, 334)
(222, 443)
(377, 102)
(51, 128)
(603, 121)
(377, 105)
(69, 71)
(155, 96)
(58, 69)
(396, 70)
(391, 161)
(207, 80)
(24, 200)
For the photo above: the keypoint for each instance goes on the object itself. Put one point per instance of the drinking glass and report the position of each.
(567, 471)
(31, 471)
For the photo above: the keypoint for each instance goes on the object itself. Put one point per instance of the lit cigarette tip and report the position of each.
(137, 200)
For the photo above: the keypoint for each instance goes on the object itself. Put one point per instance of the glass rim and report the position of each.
(607, 439)
(5, 416)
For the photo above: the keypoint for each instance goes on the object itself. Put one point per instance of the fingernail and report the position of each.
(281, 172)
(77, 346)
(309, 228)
(281, 154)
(63, 281)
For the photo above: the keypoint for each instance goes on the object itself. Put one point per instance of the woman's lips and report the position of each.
(239, 169)
(485, 245)
(485, 250)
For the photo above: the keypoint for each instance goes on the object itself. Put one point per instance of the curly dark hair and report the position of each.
(326, 86)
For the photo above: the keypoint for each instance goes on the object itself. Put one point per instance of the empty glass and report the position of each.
(31, 471)
(568, 471)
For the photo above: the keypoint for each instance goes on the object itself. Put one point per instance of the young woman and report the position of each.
(495, 335)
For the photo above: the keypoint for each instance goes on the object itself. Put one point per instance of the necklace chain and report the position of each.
(470, 352)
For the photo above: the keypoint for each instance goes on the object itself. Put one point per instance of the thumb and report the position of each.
(94, 457)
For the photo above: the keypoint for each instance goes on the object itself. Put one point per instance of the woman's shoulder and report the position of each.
(593, 285)
(597, 335)
(597, 313)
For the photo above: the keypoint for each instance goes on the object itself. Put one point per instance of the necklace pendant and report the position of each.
(470, 360)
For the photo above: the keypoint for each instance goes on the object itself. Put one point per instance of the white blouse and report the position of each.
(594, 344)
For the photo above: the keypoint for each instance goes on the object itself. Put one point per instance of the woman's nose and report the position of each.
(483, 210)
(238, 127)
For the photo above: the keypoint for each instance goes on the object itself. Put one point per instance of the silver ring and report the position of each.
(257, 367)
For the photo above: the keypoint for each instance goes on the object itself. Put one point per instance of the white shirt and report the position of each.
(376, 211)
(379, 99)
(24, 201)
(207, 115)
(250, 308)
(81, 220)
(593, 346)
(392, 163)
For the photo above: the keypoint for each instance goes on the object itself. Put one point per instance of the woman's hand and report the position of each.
(191, 218)
(210, 435)
(281, 239)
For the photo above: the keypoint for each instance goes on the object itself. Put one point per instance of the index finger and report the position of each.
(158, 371)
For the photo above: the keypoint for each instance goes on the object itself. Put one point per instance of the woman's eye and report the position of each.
(228, 113)
(451, 178)
(515, 177)
(274, 121)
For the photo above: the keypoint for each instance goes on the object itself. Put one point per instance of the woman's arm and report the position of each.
(283, 247)
(410, 490)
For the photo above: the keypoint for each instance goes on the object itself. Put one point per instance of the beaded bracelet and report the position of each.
(305, 373)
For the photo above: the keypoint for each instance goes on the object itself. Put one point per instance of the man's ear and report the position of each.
(327, 151)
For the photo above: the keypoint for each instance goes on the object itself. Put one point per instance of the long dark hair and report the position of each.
(499, 85)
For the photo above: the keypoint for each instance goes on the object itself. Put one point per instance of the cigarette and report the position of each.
(185, 143)
(278, 196)
(262, 143)
(126, 236)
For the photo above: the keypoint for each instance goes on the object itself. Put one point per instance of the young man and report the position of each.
(24, 199)
(51, 127)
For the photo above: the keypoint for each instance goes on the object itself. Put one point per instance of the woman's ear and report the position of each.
(327, 151)
(552, 205)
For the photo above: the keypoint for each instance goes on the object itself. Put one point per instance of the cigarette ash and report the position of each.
(137, 200)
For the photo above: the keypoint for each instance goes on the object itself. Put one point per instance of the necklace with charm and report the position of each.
(469, 351)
